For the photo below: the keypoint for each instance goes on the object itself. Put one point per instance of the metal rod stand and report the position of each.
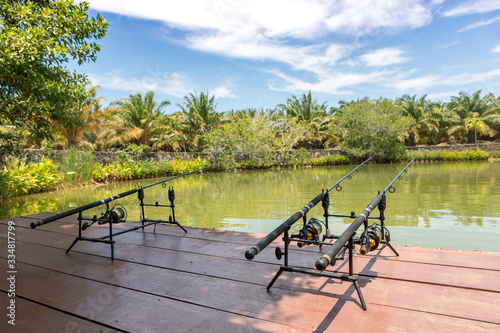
(344, 277)
(108, 239)
(385, 232)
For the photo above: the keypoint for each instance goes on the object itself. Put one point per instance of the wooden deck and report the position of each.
(201, 282)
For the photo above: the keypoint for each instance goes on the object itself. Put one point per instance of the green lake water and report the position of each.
(452, 205)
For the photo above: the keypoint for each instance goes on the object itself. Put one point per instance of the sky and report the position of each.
(256, 54)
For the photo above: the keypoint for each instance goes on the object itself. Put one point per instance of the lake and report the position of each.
(453, 205)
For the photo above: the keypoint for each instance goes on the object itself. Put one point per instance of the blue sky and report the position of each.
(254, 53)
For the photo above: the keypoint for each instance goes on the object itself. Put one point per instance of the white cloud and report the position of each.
(442, 95)
(281, 30)
(473, 7)
(467, 78)
(384, 57)
(419, 84)
(172, 84)
(342, 83)
(302, 34)
(277, 18)
(365, 17)
(450, 44)
(222, 91)
(292, 18)
(326, 84)
(335, 83)
(424, 83)
(480, 24)
(305, 35)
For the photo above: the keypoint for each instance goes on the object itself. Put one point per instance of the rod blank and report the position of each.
(263, 243)
(329, 256)
(331, 253)
(49, 219)
(254, 250)
(53, 218)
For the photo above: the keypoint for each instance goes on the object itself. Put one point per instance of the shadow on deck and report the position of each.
(201, 282)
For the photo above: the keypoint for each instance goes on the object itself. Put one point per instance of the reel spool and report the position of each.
(371, 242)
(312, 231)
(115, 215)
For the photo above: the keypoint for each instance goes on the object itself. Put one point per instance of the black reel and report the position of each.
(371, 239)
(311, 232)
(114, 215)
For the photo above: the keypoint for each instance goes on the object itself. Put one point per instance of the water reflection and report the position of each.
(452, 205)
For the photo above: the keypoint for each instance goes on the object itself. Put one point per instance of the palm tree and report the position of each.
(440, 119)
(464, 104)
(173, 139)
(324, 133)
(305, 109)
(315, 116)
(198, 113)
(477, 124)
(421, 112)
(475, 112)
(139, 119)
(90, 119)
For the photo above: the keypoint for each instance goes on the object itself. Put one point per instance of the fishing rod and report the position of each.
(49, 219)
(369, 240)
(118, 214)
(329, 257)
(262, 244)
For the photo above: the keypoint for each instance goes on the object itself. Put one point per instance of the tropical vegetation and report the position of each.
(381, 127)
(37, 39)
(45, 106)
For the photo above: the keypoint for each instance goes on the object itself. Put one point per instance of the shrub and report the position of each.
(374, 128)
(115, 172)
(242, 143)
(329, 160)
(471, 155)
(20, 178)
(143, 169)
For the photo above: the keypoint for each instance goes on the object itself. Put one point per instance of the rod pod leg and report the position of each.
(72, 244)
(360, 295)
(276, 276)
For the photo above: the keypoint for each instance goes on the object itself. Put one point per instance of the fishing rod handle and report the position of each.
(329, 256)
(53, 218)
(263, 243)
(33, 225)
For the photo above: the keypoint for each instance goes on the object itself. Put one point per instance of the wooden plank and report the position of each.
(442, 257)
(433, 273)
(394, 269)
(126, 309)
(192, 287)
(310, 302)
(34, 317)
(134, 311)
